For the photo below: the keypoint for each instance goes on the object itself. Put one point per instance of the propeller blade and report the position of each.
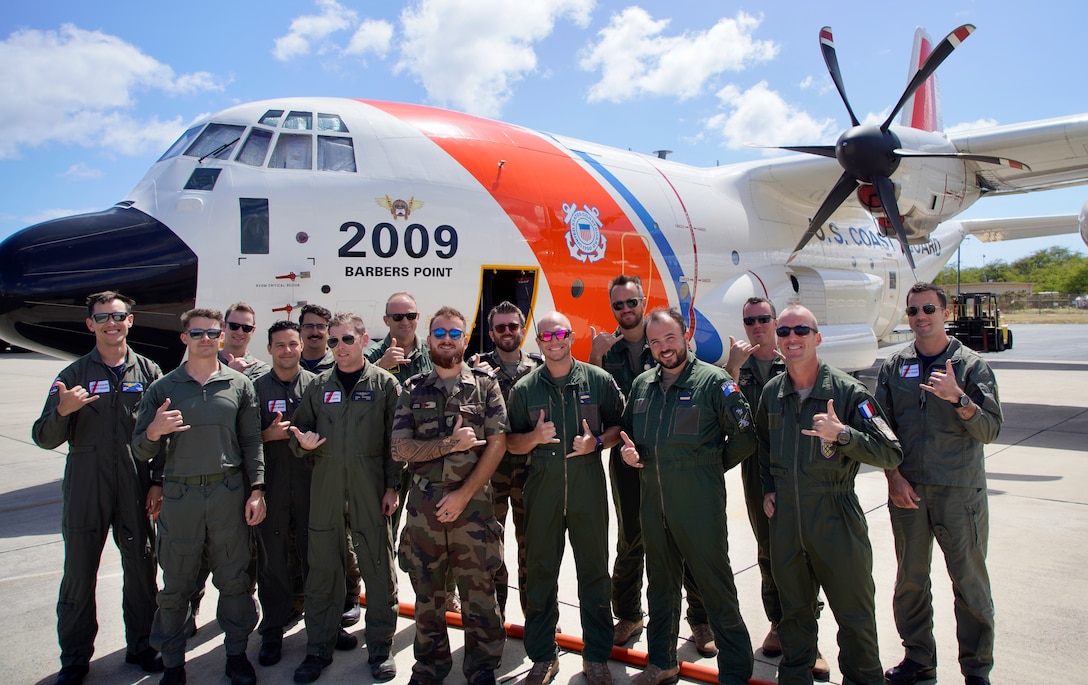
(831, 59)
(943, 50)
(1000, 161)
(843, 187)
(886, 192)
(821, 150)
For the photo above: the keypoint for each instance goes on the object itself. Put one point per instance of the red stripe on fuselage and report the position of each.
(535, 179)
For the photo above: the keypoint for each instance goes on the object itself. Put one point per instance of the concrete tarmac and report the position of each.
(1038, 485)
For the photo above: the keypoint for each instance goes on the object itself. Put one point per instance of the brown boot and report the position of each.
(821, 670)
(771, 644)
(596, 673)
(703, 637)
(653, 675)
(625, 630)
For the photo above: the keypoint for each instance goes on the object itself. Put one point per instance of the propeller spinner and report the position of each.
(870, 154)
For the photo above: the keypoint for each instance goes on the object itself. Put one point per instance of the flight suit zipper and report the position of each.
(797, 482)
(657, 457)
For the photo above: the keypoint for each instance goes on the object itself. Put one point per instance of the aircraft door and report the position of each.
(516, 285)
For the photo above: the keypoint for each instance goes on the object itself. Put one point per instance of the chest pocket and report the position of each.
(686, 421)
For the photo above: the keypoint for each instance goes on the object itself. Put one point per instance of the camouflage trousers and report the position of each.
(468, 551)
(507, 485)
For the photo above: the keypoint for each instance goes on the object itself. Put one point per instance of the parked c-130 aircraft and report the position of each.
(342, 202)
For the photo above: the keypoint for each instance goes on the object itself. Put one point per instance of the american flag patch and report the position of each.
(98, 387)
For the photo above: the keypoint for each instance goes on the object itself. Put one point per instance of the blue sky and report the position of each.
(92, 93)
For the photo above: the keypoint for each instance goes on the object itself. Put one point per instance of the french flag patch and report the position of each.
(729, 387)
(866, 409)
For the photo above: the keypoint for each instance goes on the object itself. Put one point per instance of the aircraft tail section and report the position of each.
(923, 109)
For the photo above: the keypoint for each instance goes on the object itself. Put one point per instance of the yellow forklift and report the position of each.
(976, 322)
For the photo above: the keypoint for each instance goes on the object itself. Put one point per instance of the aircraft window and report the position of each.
(255, 148)
(271, 117)
(331, 122)
(181, 143)
(302, 121)
(218, 139)
(293, 151)
(254, 224)
(202, 178)
(335, 153)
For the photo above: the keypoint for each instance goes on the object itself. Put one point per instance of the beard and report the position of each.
(676, 363)
(508, 344)
(447, 359)
(630, 325)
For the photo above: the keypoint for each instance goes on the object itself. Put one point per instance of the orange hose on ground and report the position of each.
(573, 643)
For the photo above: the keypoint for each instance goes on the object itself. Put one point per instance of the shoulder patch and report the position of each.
(53, 389)
(729, 387)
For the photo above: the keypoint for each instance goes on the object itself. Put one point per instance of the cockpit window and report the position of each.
(255, 148)
(301, 121)
(335, 153)
(181, 143)
(293, 151)
(331, 122)
(217, 140)
(271, 117)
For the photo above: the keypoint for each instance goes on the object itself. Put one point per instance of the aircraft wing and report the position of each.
(993, 230)
(1055, 149)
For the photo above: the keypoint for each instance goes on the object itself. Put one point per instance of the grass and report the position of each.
(1045, 316)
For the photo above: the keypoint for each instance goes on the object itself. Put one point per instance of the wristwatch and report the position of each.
(258, 486)
(963, 402)
(845, 437)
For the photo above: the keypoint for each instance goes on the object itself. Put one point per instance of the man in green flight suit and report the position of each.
(942, 399)
(808, 458)
(343, 423)
(92, 406)
(564, 415)
(207, 415)
(689, 424)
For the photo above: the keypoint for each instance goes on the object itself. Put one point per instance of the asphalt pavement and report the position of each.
(1038, 484)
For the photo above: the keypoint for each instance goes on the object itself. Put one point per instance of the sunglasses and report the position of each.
(103, 317)
(454, 333)
(244, 326)
(313, 326)
(751, 320)
(501, 328)
(927, 308)
(561, 334)
(198, 333)
(630, 303)
(411, 316)
(348, 339)
(801, 330)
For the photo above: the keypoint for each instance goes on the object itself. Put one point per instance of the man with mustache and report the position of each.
(450, 429)
(506, 326)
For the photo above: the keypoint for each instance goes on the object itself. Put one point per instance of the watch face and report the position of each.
(965, 401)
(844, 437)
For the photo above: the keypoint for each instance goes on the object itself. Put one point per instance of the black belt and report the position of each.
(205, 479)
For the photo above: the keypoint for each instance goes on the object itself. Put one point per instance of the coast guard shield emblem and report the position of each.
(584, 239)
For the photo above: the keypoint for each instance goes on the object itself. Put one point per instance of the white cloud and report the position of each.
(759, 116)
(470, 53)
(77, 86)
(635, 59)
(311, 29)
(971, 126)
(81, 171)
(372, 36)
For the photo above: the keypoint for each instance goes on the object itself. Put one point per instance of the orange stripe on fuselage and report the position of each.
(533, 183)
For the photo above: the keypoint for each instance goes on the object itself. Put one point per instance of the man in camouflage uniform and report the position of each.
(450, 430)
(92, 406)
(506, 326)
(343, 423)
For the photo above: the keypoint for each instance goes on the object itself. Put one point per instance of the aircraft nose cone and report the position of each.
(48, 270)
